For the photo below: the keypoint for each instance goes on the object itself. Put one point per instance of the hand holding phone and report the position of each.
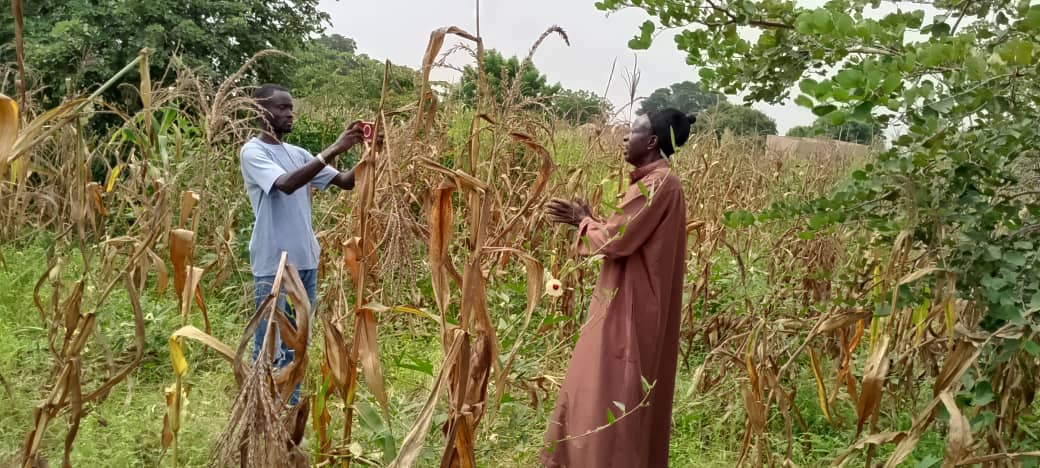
(368, 130)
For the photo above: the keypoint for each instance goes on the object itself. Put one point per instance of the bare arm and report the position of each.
(292, 181)
(345, 180)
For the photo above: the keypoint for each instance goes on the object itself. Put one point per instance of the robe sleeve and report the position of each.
(627, 231)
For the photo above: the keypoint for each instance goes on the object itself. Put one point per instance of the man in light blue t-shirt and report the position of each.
(277, 179)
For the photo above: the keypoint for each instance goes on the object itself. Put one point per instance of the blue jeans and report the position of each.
(283, 355)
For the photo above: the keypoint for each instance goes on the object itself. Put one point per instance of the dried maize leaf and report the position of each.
(368, 350)
(873, 384)
(958, 440)
(440, 219)
(182, 246)
(337, 357)
(188, 201)
(821, 389)
(194, 334)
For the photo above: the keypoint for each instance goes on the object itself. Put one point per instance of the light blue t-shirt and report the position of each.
(283, 221)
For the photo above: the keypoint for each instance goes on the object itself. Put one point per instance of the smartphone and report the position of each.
(368, 129)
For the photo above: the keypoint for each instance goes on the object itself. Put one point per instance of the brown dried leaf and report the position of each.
(75, 407)
(959, 440)
(172, 419)
(821, 389)
(94, 192)
(540, 182)
(873, 439)
(192, 283)
(836, 321)
(352, 258)
(433, 48)
(163, 280)
(756, 410)
(873, 384)
(192, 333)
(188, 201)
(182, 246)
(956, 363)
(8, 127)
(71, 309)
(441, 226)
(337, 357)
(369, 356)
(910, 278)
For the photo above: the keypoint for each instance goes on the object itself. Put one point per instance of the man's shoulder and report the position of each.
(296, 149)
(253, 146)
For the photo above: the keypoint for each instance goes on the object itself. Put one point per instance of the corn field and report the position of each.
(784, 333)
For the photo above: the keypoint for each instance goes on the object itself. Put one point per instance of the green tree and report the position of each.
(851, 131)
(501, 74)
(88, 41)
(804, 131)
(740, 120)
(329, 73)
(686, 96)
(579, 107)
(961, 79)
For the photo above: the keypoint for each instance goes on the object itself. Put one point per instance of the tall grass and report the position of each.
(442, 251)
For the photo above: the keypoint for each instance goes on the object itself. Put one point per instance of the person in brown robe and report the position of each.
(604, 417)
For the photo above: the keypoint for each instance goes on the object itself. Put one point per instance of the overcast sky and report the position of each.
(399, 30)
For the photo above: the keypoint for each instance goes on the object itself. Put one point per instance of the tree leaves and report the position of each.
(243, 29)
(645, 37)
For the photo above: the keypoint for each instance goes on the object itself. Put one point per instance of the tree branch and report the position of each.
(765, 24)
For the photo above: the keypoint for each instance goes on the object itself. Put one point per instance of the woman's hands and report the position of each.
(568, 212)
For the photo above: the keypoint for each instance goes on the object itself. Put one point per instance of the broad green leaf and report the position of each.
(850, 78)
(738, 219)
(1015, 258)
(836, 118)
(927, 462)
(1031, 347)
(824, 109)
(1017, 52)
(819, 220)
(843, 24)
(892, 82)
(1031, 22)
(975, 66)
(983, 394)
(645, 37)
(822, 20)
(808, 86)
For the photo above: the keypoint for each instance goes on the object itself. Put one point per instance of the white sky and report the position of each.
(399, 30)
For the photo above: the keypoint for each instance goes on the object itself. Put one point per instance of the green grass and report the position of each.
(125, 429)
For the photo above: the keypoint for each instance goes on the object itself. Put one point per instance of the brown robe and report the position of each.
(632, 333)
